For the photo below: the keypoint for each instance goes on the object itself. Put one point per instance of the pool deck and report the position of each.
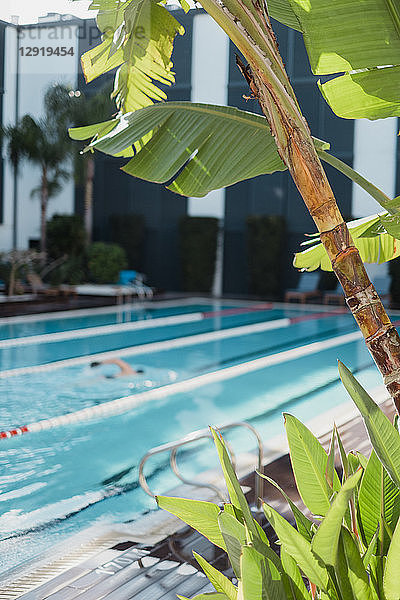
(151, 558)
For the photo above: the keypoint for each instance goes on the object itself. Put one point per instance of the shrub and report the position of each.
(65, 236)
(354, 551)
(105, 261)
(265, 249)
(128, 232)
(198, 245)
(72, 271)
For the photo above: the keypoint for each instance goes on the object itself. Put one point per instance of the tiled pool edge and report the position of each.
(156, 525)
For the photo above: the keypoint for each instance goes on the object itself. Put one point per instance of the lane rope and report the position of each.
(190, 340)
(75, 334)
(127, 403)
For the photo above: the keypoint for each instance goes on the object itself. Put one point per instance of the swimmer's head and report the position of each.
(95, 364)
(139, 370)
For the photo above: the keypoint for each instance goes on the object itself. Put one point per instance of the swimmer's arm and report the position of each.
(125, 368)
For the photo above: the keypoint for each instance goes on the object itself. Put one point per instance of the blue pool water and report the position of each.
(55, 482)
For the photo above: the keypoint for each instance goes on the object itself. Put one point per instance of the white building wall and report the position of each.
(375, 157)
(36, 74)
(210, 78)
(9, 114)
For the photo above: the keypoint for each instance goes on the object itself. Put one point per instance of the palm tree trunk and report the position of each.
(88, 204)
(250, 29)
(44, 197)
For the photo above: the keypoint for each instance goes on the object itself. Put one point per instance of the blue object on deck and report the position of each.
(126, 277)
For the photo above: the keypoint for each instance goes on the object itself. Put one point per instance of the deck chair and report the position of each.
(307, 288)
(136, 281)
(39, 287)
(335, 296)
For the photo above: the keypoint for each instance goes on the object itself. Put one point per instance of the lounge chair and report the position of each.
(307, 288)
(37, 285)
(136, 281)
(335, 296)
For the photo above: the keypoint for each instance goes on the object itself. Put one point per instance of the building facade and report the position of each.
(204, 61)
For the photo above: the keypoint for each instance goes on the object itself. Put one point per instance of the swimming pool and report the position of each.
(213, 363)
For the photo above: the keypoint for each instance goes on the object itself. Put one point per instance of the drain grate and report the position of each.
(30, 580)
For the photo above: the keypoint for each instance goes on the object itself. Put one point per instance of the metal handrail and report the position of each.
(173, 447)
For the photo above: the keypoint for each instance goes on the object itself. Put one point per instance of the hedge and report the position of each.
(198, 249)
(128, 231)
(265, 251)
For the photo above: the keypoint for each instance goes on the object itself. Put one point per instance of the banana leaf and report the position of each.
(359, 41)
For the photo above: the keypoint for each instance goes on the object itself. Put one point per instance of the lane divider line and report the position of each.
(136, 306)
(75, 334)
(190, 340)
(127, 403)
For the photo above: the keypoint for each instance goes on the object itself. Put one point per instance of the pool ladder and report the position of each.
(173, 448)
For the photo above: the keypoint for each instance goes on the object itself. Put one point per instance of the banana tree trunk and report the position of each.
(88, 203)
(250, 29)
(44, 197)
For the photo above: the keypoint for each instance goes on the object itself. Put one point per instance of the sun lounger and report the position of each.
(307, 288)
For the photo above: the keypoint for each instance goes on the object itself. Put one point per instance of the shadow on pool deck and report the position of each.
(127, 569)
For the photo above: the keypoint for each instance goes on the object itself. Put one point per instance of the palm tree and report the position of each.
(44, 143)
(74, 108)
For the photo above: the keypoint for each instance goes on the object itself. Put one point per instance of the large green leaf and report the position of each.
(234, 535)
(309, 461)
(260, 578)
(298, 547)
(137, 37)
(325, 541)
(378, 496)
(384, 437)
(232, 483)
(221, 583)
(391, 577)
(378, 249)
(303, 523)
(297, 589)
(362, 39)
(200, 515)
(202, 147)
(357, 575)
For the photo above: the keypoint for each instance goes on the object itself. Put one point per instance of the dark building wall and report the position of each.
(276, 194)
(116, 192)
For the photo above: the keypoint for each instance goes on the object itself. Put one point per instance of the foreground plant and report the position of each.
(175, 141)
(347, 547)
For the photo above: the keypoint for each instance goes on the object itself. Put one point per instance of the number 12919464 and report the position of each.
(46, 51)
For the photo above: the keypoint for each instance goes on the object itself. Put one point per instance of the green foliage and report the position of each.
(265, 248)
(65, 236)
(331, 555)
(105, 261)
(198, 247)
(128, 232)
(137, 37)
(374, 243)
(241, 143)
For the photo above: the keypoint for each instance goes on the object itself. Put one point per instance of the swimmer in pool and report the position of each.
(125, 368)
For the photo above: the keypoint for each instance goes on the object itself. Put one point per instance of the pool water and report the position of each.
(55, 482)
